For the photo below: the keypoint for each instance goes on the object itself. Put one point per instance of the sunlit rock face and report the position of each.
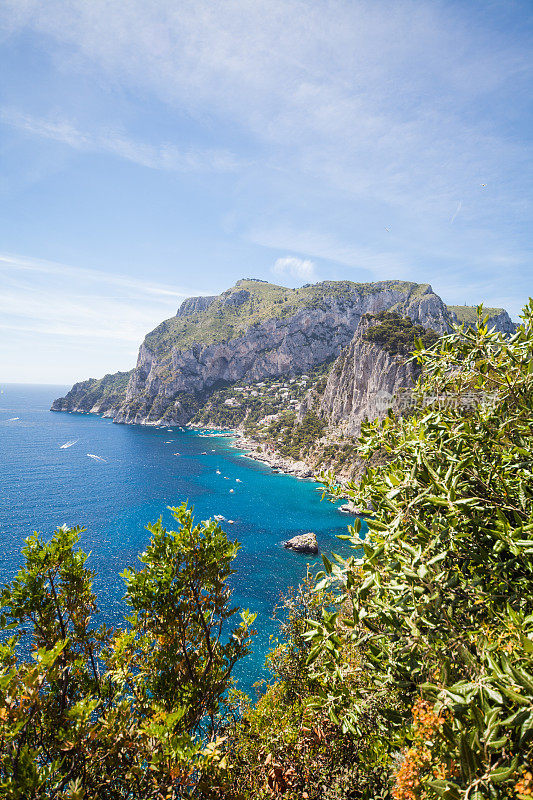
(270, 348)
(364, 382)
(256, 330)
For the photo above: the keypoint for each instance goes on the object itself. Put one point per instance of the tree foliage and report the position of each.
(438, 599)
(128, 713)
(398, 335)
(404, 672)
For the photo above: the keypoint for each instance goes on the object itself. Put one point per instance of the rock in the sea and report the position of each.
(347, 508)
(304, 543)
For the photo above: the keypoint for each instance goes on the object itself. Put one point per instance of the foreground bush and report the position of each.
(286, 744)
(117, 714)
(438, 600)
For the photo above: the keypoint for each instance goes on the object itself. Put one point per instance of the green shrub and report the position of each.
(398, 335)
(438, 599)
(282, 746)
(125, 713)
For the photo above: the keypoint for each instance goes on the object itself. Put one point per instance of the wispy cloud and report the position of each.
(342, 98)
(459, 206)
(380, 264)
(17, 264)
(61, 300)
(302, 268)
(367, 117)
(165, 157)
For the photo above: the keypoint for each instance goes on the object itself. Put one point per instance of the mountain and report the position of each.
(253, 332)
(313, 422)
(497, 317)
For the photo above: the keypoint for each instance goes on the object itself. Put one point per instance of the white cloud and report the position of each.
(14, 263)
(380, 264)
(166, 157)
(372, 98)
(61, 300)
(296, 267)
(356, 111)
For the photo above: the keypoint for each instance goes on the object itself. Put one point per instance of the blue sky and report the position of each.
(153, 150)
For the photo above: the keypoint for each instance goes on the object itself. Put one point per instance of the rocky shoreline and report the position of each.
(278, 463)
(256, 451)
(286, 466)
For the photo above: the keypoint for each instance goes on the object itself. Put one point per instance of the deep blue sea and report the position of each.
(43, 486)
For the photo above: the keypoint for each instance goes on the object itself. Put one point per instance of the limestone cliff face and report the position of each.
(95, 396)
(257, 330)
(194, 304)
(159, 390)
(498, 318)
(502, 322)
(253, 331)
(363, 382)
(171, 381)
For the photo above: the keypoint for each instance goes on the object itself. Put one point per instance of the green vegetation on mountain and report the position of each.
(398, 335)
(294, 438)
(468, 314)
(104, 391)
(249, 405)
(251, 302)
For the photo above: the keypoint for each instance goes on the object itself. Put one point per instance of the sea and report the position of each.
(137, 474)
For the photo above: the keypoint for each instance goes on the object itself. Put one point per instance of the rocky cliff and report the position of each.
(363, 382)
(251, 332)
(96, 396)
(191, 305)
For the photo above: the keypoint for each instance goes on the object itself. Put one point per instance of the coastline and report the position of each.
(256, 451)
(279, 464)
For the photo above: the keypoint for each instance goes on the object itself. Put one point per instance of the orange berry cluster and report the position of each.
(417, 759)
(525, 785)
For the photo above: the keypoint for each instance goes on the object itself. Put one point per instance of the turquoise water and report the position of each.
(43, 486)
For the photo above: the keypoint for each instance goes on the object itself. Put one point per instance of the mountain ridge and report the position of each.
(254, 330)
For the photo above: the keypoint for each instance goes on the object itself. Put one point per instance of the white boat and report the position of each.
(96, 458)
(68, 444)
